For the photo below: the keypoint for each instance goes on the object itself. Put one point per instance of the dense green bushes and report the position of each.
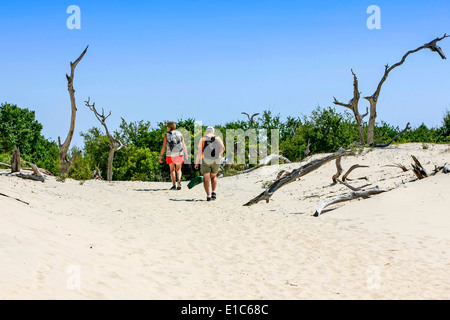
(18, 127)
(325, 128)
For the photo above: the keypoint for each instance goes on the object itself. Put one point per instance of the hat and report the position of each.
(210, 129)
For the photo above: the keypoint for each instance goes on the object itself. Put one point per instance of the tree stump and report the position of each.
(15, 160)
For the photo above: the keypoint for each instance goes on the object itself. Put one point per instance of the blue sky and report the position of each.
(211, 60)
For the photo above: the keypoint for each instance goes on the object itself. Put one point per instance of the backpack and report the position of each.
(211, 148)
(174, 141)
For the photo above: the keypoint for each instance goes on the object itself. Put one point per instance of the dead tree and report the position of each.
(353, 105)
(15, 160)
(114, 144)
(295, 174)
(66, 163)
(373, 99)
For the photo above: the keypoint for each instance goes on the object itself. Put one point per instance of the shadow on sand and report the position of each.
(187, 200)
(151, 190)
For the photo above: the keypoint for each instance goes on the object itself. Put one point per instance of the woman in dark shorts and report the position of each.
(210, 149)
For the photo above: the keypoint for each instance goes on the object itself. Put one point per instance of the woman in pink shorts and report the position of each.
(175, 149)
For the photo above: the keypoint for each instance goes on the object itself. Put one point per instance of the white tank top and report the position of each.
(177, 149)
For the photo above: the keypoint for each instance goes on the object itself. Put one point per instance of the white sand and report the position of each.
(138, 240)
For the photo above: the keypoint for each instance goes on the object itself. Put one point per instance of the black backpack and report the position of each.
(211, 148)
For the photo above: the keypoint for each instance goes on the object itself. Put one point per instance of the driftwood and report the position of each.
(373, 99)
(281, 174)
(66, 163)
(339, 170)
(35, 169)
(5, 165)
(295, 174)
(36, 175)
(353, 167)
(348, 185)
(307, 151)
(45, 171)
(351, 196)
(353, 105)
(397, 165)
(31, 177)
(446, 168)
(5, 195)
(376, 145)
(418, 169)
(15, 160)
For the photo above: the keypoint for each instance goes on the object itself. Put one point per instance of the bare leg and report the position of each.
(178, 169)
(206, 182)
(213, 181)
(172, 172)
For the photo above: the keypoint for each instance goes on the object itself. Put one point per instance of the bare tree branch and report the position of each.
(373, 99)
(250, 119)
(353, 105)
(355, 166)
(392, 140)
(348, 185)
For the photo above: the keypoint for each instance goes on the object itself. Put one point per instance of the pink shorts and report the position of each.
(177, 159)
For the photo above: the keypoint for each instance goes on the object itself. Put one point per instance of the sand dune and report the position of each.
(139, 240)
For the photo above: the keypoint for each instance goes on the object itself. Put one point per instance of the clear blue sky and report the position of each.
(211, 60)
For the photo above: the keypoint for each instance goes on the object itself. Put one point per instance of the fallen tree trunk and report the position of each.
(31, 177)
(351, 196)
(295, 174)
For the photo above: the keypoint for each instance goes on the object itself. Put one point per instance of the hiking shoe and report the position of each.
(178, 185)
(208, 198)
(213, 196)
(173, 188)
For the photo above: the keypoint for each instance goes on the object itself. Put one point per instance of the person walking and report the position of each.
(175, 149)
(209, 152)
